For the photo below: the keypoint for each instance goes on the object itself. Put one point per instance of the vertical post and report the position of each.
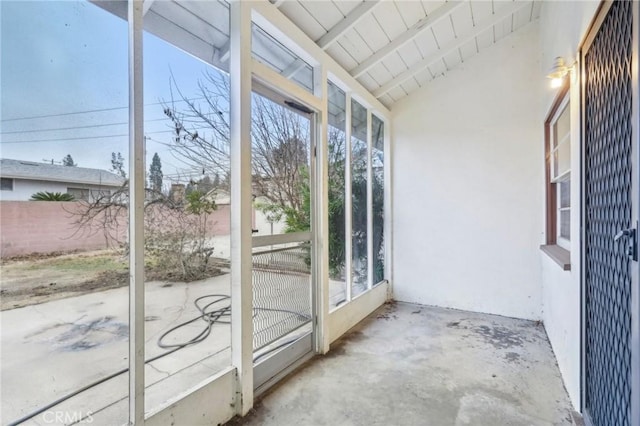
(241, 285)
(388, 207)
(583, 235)
(322, 212)
(348, 205)
(136, 216)
(369, 202)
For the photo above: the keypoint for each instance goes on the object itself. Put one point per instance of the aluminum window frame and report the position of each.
(238, 378)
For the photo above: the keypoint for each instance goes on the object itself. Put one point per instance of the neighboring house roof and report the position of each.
(30, 170)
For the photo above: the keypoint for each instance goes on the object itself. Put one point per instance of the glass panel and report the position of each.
(81, 194)
(6, 184)
(337, 187)
(281, 145)
(565, 224)
(359, 197)
(561, 144)
(271, 52)
(563, 162)
(565, 193)
(562, 125)
(187, 206)
(377, 166)
(281, 168)
(65, 318)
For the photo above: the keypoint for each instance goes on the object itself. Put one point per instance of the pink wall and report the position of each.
(219, 222)
(44, 227)
(41, 227)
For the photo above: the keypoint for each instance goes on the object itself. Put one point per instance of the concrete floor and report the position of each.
(416, 365)
(54, 348)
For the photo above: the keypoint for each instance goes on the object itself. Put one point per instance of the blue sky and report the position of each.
(61, 59)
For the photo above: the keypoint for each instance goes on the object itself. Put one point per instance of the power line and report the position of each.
(63, 114)
(67, 139)
(92, 110)
(78, 127)
(155, 140)
(89, 137)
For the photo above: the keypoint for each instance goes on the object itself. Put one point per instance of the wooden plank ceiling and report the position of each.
(394, 47)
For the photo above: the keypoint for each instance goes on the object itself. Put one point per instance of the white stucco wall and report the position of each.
(264, 226)
(468, 184)
(563, 26)
(23, 189)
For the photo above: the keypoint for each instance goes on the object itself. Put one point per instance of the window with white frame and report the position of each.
(559, 164)
(6, 184)
(81, 194)
(561, 173)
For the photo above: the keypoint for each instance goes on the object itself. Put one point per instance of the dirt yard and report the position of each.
(37, 279)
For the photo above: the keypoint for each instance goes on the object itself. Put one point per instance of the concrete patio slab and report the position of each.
(417, 365)
(53, 349)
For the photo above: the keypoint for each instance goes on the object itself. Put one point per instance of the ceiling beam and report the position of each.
(272, 20)
(278, 3)
(347, 23)
(223, 52)
(451, 47)
(416, 29)
(146, 5)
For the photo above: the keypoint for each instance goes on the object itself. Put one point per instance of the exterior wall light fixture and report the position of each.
(559, 71)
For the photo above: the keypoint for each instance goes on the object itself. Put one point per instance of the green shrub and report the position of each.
(51, 196)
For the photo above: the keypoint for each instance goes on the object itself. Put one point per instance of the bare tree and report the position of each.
(201, 138)
(175, 231)
(177, 226)
(106, 214)
(201, 129)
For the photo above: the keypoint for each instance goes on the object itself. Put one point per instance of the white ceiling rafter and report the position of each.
(422, 25)
(223, 52)
(451, 47)
(347, 23)
(146, 5)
